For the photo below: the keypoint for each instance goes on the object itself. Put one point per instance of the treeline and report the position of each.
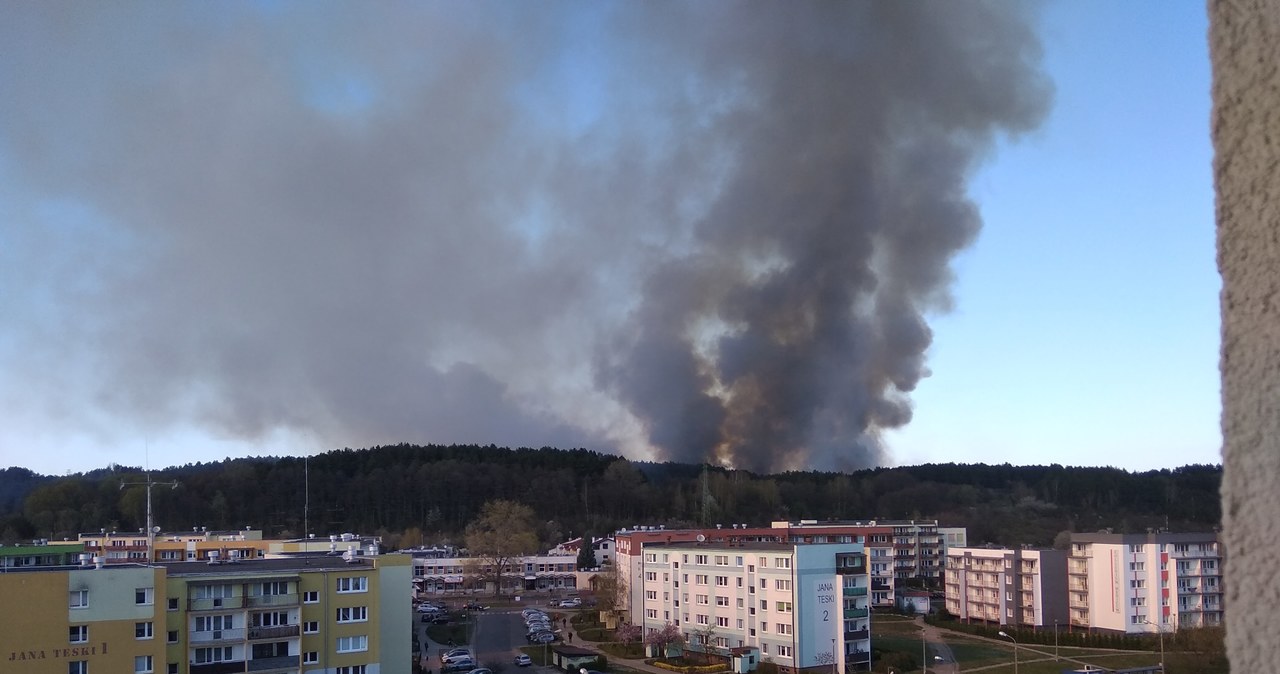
(434, 491)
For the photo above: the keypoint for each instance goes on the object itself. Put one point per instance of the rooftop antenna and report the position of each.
(149, 483)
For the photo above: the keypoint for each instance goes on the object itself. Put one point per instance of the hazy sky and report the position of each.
(779, 236)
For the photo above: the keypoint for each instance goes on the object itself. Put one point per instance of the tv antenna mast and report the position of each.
(151, 528)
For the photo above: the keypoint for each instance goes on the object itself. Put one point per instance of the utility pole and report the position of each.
(151, 530)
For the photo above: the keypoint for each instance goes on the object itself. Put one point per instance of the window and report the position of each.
(784, 651)
(353, 644)
(763, 562)
(310, 657)
(650, 594)
(784, 607)
(171, 636)
(1137, 566)
(782, 562)
(739, 581)
(173, 603)
(702, 619)
(722, 621)
(142, 630)
(782, 585)
(143, 596)
(78, 634)
(276, 588)
(352, 614)
(651, 575)
(722, 581)
(353, 584)
(352, 669)
(651, 613)
(310, 597)
(722, 601)
(311, 627)
(739, 602)
(79, 599)
(700, 559)
(764, 627)
(173, 668)
(764, 648)
(784, 628)
(141, 664)
(740, 623)
(737, 561)
(78, 667)
(764, 605)
(722, 560)
(210, 623)
(219, 654)
(700, 579)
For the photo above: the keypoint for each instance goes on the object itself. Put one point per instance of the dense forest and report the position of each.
(425, 494)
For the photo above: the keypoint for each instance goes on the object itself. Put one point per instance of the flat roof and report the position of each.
(254, 566)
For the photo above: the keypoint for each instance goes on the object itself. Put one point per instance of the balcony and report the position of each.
(218, 667)
(855, 613)
(273, 600)
(855, 591)
(210, 636)
(858, 657)
(271, 664)
(273, 632)
(857, 635)
(215, 604)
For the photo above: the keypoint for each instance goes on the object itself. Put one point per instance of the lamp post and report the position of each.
(924, 653)
(1015, 651)
(1055, 640)
(1160, 630)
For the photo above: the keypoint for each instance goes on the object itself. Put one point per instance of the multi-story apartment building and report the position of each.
(40, 552)
(1145, 582)
(897, 550)
(601, 548)
(1022, 587)
(440, 575)
(200, 544)
(802, 606)
(316, 614)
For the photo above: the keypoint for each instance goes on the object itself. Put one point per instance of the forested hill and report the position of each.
(428, 494)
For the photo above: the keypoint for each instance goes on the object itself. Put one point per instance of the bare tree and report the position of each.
(504, 531)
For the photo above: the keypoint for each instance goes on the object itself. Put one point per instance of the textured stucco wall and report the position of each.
(1244, 38)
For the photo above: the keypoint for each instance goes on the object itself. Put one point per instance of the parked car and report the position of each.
(427, 608)
(571, 603)
(481, 670)
(542, 638)
(523, 660)
(474, 606)
(455, 653)
(439, 619)
(465, 665)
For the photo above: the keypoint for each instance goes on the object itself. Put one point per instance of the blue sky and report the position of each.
(212, 236)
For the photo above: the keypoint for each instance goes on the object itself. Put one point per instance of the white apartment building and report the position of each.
(1021, 587)
(1145, 582)
(897, 550)
(801, 606)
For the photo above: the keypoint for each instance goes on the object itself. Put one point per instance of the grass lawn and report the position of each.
(457, 633)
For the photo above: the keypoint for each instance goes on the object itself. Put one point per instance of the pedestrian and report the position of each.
(571, 637)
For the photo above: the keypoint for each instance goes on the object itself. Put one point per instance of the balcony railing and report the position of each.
(266, 664)
(857, 635)
(855, 613)
(215, 604)
(273, 632)
(855, 591)
(858, 657)
(273, 599)
(207, 636)
(218, 667)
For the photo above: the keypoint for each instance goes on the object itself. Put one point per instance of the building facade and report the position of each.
(1152, 582)
(1019, 587)
(434, 575)
(318, 614)
(802, 606)
(897, 551)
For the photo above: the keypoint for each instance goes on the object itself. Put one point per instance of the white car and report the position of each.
(571, 603)
(523, 660)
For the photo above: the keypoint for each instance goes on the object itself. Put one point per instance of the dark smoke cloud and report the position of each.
(709, 230)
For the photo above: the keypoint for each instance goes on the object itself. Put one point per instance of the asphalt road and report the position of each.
(497, 636)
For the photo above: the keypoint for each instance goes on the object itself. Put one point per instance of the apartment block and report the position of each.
(318, 614)
(802, 606)
(1145, 582)
(897, 550)
(1019, 587)
(201, 544)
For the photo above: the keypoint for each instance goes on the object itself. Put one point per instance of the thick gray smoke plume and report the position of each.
(697, 231)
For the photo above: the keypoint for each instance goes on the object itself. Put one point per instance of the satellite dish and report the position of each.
(701, 538)
(155, 529)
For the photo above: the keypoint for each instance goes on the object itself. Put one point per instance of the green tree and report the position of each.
(586, 553)
(504, 531)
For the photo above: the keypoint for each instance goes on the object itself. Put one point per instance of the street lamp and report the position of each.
(1015, 651)
(1160, 630)
(924, 653)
